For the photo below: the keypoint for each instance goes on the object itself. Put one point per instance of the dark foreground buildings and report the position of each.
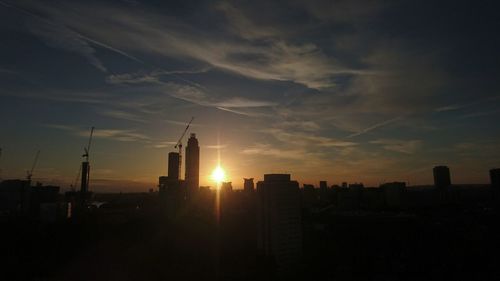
(278, 232)
(279, 221)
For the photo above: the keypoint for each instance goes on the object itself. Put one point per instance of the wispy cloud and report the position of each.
(58, 35)
(448, 108)
(215, 146)
(118, 114)
(114, 134)
(402, 146)
(268, 150)
(375, 126)
(306, 139)
(273, 59)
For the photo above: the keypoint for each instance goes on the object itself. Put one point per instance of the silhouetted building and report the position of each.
(442, 177)
(192, 164)
(279, 220)
(323, 185)
(356, 186)
(15, 196)
(19, 198)
(495, 179)
(393, 193)
(248, 185)
(227, 187)
(84, 186)
(307, 186)
(173, 165)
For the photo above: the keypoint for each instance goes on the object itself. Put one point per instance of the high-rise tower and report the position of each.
(192, 164)
(279, 220)
(442, 177)
(173, 166)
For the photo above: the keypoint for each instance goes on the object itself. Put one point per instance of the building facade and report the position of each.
(279, 221)
(192, 164)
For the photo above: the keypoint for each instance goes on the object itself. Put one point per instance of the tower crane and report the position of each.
(87, 149)
(179, 145)
(29, 173)
(85, 170)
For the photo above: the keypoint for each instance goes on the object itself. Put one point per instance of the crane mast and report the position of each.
(29, 173)
(179, 145)
(85, 170)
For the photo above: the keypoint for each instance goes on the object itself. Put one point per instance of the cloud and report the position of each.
(164, 144)
(268, 150)
(448, 108)
(59, 36)
(118, 114)
(274, 59)
(306, 139)
(216, 146)
(114, 134)
(375, 126)
(402, 146)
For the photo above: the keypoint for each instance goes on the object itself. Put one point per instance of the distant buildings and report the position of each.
(20, 198)
(248, 185)
(323, 185)
(495, 179)
(173, 184)
(192, 164)
(393, 193)
(227, 187)
(279, 220)
(442, 177)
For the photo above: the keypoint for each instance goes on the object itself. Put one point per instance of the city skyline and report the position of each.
(341, 91)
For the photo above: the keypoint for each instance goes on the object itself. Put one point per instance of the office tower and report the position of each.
(393, 193)
(279, 222)
(173, 166)
(495, 178)
(248, 184)
(322, 185)
(441, 177)
(192, 164)
(84, 186)
(227, 186)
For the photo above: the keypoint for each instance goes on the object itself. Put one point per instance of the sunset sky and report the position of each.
(356, 91)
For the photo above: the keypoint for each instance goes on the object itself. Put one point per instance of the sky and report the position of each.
(354, 91)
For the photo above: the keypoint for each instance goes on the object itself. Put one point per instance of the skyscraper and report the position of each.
(442, 177)
(279, 220)
(192, 164)
(173, 166)
(323, 185)
(248, 184)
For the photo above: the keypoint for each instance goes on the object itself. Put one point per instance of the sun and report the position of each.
(218, 175)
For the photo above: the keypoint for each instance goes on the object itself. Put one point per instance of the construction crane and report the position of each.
(29, 173)
(75, 182)
(87, 149)
(179, 145)
(85, 170)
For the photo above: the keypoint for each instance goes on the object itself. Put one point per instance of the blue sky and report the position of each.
(357, 91)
